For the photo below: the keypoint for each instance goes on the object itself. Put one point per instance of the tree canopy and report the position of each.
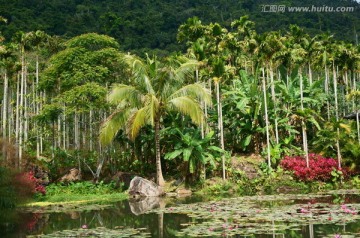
(143, 25)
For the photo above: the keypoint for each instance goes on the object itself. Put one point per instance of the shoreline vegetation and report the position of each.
(214, 188)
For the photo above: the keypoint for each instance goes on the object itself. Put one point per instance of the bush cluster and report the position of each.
(81, 188)
(28, 182)
(320, 168)
(7, 192)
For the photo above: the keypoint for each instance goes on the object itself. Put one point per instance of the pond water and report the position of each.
(312, 215)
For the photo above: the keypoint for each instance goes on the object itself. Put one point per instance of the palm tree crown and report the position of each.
(155, 88)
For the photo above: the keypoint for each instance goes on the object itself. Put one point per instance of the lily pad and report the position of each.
(261, 214)
(97, 232)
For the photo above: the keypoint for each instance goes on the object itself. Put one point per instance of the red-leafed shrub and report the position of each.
(28, 184)
(319, 169)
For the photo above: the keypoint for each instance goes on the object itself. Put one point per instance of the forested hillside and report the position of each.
(143, 24)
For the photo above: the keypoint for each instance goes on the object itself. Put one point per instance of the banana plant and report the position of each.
(194, 151)
(242, 107)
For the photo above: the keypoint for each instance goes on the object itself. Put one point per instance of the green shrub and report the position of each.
(7, 192)
(81, 188)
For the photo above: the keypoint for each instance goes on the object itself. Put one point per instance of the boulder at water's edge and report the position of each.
(140, 187)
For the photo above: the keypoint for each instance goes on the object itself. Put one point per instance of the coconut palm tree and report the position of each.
(155, 88)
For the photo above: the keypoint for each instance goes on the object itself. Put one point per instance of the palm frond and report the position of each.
(122, 92)
(140, 71)
(152, 106)
(136, 64)
(138, 119)
(189, 107)
(112, 125)
(186, 70)
(196, 91)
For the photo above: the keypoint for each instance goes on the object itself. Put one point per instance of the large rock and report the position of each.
(72, 176)
(140, 187)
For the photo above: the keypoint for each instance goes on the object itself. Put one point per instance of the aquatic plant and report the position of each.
(98, 232)
(251, 215)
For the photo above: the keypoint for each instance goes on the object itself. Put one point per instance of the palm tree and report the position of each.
(270, 48)
(155, 88)
(298, 39)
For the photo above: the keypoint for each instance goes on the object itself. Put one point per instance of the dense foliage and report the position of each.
(83, 102)
(7, 198)
(145, 25)
(29, 179)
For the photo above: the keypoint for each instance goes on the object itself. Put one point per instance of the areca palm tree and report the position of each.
(298, 40)
(155, 88)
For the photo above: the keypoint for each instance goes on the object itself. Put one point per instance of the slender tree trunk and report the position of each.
(327, 91)
(77, 138)
(67, 133)
(43, 100)
(59, 131)
(83, 129)
(4, 118)
(26, 118)
(64, 129)
(220, 127)
(53, 142)
(76, 131)
(37, 107)
(310, 74)
(91, 130)
(357, 108)
(287, 79)
(206, 109)
(337, 116)
(346, 79)
(99, 167)
(159, 176)
(358, 126)
(11, 117)
(22, 105)
(206, 128)
(266, 119)
(274, 101)
(354, 89)
(222, 142)
(21, 116)
(17, 120)
(303, 125)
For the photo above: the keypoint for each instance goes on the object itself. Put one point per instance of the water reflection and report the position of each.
(144, 204)
(141, 214)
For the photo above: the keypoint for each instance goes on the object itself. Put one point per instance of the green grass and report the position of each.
(79, 193)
